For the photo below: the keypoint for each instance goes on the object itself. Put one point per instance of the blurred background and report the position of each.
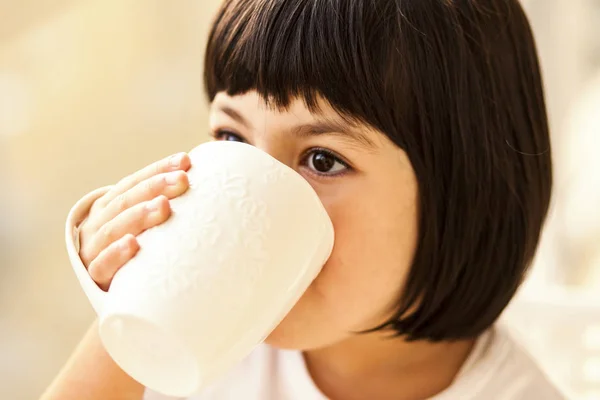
(93, 90)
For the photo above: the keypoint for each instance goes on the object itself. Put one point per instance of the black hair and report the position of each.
(456, 84)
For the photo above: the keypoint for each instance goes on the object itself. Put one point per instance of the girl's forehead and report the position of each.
(253, 112)
(253, 100)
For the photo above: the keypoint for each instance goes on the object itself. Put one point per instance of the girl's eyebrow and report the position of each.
(335, 128)
(328, 126)
(236, 116)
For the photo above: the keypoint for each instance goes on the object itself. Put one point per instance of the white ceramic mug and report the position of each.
(240, 249)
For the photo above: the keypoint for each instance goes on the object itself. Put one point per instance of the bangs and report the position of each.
(307, 49)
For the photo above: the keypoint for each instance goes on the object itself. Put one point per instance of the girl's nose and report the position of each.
(279, 150)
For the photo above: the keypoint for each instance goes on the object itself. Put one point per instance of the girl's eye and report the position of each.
(320, 161)
(323, 162)
(227, 136)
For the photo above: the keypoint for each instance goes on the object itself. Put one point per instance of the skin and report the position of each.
(370, 191)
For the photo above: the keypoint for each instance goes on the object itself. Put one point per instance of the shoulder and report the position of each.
(501, 368)
(518, 372)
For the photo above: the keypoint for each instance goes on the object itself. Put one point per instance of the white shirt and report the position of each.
(497, 369)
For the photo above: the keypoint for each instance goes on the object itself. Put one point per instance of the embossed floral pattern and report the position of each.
(172, 275)
(273, 173)
(254, 213)
(213, 246)
(221, 184)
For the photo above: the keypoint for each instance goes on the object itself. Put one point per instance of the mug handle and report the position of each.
(96, 296)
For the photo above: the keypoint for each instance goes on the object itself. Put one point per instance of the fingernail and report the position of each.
(172, 179)
(175, 160)
(154, 204)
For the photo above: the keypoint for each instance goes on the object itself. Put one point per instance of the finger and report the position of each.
(110, 260)
(133, 221)
(170, 185)
(179, 161)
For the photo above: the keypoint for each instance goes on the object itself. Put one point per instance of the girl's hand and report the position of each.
(138, 202)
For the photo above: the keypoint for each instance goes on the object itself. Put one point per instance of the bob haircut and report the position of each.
(454, 83)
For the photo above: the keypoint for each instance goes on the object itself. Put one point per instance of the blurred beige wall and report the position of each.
(89, 91)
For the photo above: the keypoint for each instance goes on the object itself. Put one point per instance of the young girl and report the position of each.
(422, 127)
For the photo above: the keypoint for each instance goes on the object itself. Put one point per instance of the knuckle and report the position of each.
(162, 178)
(107, 232)
(159, 212)
(158, 216)
(149, 185)
(138, 220)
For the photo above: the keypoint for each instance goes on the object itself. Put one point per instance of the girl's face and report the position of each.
(369, 189)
